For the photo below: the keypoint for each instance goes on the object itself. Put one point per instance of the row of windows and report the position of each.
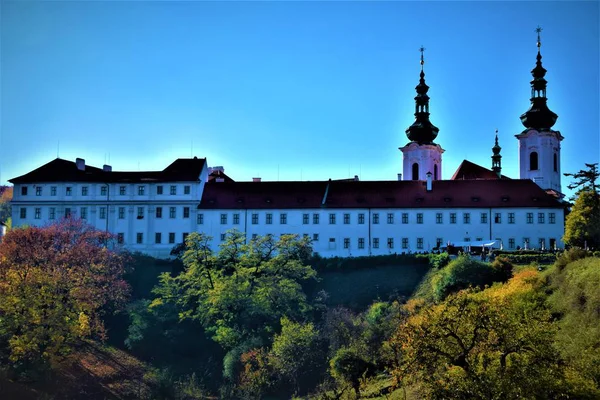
(158, 237)
(439, 218)
(104, 190)
(83, 212)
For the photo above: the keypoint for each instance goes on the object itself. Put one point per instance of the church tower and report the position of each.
(496, 157)
(539, 145)
(421, 155)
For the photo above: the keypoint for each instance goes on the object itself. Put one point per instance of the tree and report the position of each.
(56, 282)
(582, 227)
(6, 193)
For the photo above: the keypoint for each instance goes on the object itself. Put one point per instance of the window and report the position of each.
(157, 237)
(315, 237)
(405, 218)
(38, 213)
(530, 218)
(466, 218)
(69, 191)
(141, 190)
(102, 212)
(419, 243)
(331, 219)
(120, 238)
(200, 219)
(38, 191)
(375, 218)
(187, 189)
(551, 218)
(361, 243)
(223, 219)
(171, 237)
(254, 218)
(390, 218)
(53, 191)
(316, 219)
(439, 218)
(140, 212)
(452, 218)
(511, 218)
(84, 190)
(511, 243)
(555, 158)
(439, 242)
(23, 190)
(498, 218)
(346, 243)
(139, 238)
(186, 213)
(375, 243)
(305, 219)
(269, 219)
(478, 239)
(67, 212)
(390, 243)
(415, 172)
(361, 218)
(526, 243)
(52, 214)
(158, 212)
(254, 236)
(122, 190)
(236, 218)
(103, 191)
(467, 239)
(346, 218)
(405, 243)
(419, 218)
(159, 189)
(283, 218)
(172, 212)
(542, 243)
(484, 218)
(184, 236)
(121, 212)
(541, 218)
(533, 161)
(173, 190)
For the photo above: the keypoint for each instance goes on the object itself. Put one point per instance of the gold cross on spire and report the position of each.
(422, 50)
(539, 41)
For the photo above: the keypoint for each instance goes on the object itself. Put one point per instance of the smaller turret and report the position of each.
(496, 157)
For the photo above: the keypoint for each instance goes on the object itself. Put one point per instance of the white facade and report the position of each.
(539, 157)
(419, 159)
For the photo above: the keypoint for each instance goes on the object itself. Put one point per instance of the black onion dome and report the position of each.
(422, 130)
(539, 116)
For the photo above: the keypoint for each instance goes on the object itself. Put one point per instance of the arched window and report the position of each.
(415, 172)
(555, 162)
(533, 161)
(435, 173)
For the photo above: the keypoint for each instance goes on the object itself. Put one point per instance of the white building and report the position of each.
(154, 210)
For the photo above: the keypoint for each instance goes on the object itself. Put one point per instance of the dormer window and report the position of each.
(447, 199)
(475, 199)
(505, 199)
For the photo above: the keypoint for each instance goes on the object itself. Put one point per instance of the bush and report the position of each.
(321, 264)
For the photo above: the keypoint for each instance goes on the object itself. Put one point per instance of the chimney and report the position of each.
(399, 177)
(256, 179)
(355, 178)
(80, 162)
(106, 168)
(428, 181)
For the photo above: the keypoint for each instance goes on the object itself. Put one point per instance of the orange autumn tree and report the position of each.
(55, 284)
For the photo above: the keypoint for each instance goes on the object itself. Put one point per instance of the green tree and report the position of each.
(6, 193)
(582, 226)
(55, 284)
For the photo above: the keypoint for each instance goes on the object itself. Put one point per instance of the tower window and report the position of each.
(533, 161)
(555, 163)
(415, 172)
(435, 172)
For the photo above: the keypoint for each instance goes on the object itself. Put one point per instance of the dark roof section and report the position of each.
(469, 171)
(218, 174)
(59, 170)
(376, 194)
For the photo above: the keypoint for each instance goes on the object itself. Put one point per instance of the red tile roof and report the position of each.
(59, 170)
(376, 194)
(468, 170)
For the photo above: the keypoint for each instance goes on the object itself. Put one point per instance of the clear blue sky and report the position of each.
(288, 90)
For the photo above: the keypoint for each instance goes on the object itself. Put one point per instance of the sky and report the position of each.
(288, 90)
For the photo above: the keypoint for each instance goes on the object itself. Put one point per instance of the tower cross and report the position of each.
(422, 50)
(539, 41)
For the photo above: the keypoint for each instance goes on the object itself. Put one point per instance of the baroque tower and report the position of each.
(496, 157)
(421, 155)
(539, 145)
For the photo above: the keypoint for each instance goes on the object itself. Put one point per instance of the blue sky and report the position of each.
(287, 90)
